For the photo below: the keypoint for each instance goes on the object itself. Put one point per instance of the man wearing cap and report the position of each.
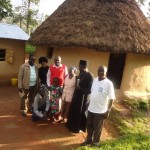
(76, 116)
(101, 98)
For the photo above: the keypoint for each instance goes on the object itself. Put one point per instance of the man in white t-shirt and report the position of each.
(101, 98)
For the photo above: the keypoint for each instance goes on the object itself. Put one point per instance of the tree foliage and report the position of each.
(30, 49)
(26, 15)
(5, 9)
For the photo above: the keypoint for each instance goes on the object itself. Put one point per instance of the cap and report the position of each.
(83, 62)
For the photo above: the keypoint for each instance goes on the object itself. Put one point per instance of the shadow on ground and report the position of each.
(19, 133)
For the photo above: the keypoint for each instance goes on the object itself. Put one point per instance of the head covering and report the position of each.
(73, 68)
(83, 62)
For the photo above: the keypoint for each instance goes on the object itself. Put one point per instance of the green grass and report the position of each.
(126, 142)
(132, 128)
(138, 122)
(142, 105)
(135, 124)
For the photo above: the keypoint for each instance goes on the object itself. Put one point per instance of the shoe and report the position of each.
(64, 121)
(53, 120)
(96, 144)
(24, 114)
(33, 118)
(30, 111)
(85, 143)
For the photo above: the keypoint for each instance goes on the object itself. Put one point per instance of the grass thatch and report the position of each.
(105, 25)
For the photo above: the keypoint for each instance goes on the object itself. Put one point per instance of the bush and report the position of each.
(30, 49)
(137, 104)
(143, 105)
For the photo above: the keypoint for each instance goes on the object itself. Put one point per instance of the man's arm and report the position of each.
(35, 107)
(47, 104)
(110, 104)
(111, 95)
(106, 114)
(48, 77)
(66, 70)
(20, 78)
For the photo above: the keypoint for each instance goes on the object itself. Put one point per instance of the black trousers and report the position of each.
(94, 127)
(28, 97)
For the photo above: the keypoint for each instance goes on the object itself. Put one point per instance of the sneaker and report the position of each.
(85, 143)
(23, 114)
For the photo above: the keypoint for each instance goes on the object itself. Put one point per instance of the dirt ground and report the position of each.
(20, 133)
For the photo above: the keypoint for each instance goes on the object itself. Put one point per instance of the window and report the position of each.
(2, 54)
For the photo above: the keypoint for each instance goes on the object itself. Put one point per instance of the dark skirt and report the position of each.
(76, 116)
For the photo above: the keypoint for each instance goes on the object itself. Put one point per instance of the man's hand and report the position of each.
(20, 90)
(45, 117)
(106, 114)
(77, 87)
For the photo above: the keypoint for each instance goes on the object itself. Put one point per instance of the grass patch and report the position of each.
(138, 122)
(132, 128)
(142, 105)
(126, 142)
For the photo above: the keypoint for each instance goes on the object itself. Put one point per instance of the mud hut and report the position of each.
(114, 33)
(12, 51)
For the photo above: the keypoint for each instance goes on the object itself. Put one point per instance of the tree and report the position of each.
(5, 9)
(26, 15)
(30, 49)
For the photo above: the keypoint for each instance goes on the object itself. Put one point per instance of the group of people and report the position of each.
(58, 94)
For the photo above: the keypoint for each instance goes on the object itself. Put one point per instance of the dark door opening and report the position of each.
(115, 68)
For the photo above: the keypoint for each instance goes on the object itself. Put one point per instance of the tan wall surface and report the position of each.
(136, 75)
(8, 70)
(71, 56)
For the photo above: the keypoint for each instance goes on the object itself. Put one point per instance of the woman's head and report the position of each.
(43, 61)
(72, 70)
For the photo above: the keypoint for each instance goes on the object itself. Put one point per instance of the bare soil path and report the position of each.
(20, 133)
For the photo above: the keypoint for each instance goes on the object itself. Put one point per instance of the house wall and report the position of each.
(10, 70)
(71, 56)
(136, 76)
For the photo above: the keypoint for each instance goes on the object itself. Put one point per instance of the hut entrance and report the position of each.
(115, 68)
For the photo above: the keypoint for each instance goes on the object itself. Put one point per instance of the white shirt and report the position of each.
(101, 92)
(32, 76)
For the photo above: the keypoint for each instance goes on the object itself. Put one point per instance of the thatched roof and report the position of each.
(105, 25)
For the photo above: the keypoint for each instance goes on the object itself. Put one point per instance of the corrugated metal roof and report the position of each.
(9, 31)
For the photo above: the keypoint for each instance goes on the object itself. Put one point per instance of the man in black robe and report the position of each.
(76, 116)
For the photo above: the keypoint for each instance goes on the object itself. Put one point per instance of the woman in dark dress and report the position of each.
(43, 70)
(76, 116)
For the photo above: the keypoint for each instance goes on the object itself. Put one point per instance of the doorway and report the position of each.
(115, 68)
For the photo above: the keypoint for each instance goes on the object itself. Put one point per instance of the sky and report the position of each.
(47, 7)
